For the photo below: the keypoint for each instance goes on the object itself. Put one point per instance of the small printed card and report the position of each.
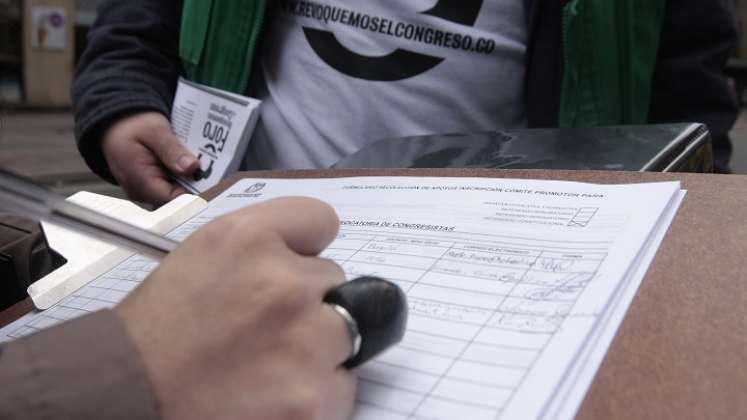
(216, 126)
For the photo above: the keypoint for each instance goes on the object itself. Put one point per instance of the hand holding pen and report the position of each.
(232, 323)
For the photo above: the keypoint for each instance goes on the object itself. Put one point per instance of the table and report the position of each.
(681, 352)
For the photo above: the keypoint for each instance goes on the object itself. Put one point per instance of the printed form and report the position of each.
(515, 287)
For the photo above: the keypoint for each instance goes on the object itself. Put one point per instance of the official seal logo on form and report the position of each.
(250, 192)
(255, 188)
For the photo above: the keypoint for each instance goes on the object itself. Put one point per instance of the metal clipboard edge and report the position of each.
(678, 149)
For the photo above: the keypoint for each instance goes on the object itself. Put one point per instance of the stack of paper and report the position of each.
(516, 287)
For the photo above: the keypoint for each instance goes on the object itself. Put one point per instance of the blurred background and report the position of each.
(40, 42)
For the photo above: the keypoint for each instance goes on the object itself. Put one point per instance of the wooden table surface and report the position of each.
(681, 352)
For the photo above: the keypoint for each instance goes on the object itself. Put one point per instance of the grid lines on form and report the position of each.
(101, 293)
(104, 291)
(471, 341)
(481, 312)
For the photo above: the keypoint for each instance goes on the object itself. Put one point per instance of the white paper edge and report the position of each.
(571, 394)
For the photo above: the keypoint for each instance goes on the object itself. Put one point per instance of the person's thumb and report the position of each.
(167, 148)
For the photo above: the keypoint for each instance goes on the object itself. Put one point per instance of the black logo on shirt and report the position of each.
(401, 63)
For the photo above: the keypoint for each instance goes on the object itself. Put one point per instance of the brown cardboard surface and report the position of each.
(681, 352)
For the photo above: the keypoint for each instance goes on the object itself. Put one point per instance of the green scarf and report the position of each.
(610, 51)
(218, 39)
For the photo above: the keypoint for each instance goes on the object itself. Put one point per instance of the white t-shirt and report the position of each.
(336, 75)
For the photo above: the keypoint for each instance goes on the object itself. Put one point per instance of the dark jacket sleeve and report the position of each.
(131, 64)
(689, 83)
(87, 368)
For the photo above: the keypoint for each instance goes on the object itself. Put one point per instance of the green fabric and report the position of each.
(610, 50)
(231, 29)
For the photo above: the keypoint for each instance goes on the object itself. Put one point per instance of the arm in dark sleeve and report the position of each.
(131, 64)
(87, 368)
(689, 83)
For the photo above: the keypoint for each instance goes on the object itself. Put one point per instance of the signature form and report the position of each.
(515, 287)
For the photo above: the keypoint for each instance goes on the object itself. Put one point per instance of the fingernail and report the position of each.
(185, 162)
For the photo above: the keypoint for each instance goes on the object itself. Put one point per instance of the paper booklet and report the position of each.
(216, 126)
(515, 287)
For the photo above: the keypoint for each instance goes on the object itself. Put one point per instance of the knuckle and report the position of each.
(172, 148)
(224, 234)
(333, 269)
(285, 289)
(305, 403)
(275, 270)
(321, 211)
(220, 226)
(253, 234)
(328, 272)
(216, 232)
(283, 297)
(240, 231)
